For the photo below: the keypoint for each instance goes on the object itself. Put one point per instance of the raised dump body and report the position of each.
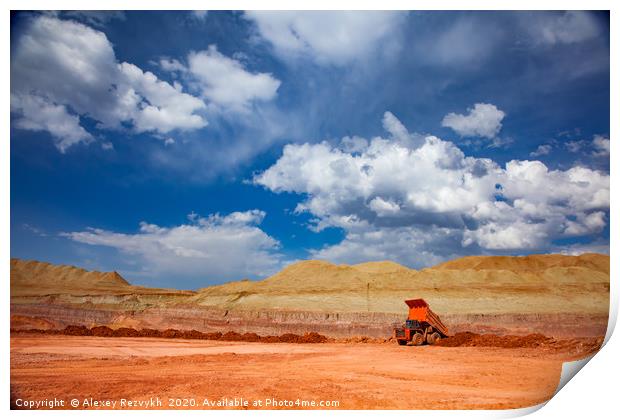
(422, 325)
(421, 312)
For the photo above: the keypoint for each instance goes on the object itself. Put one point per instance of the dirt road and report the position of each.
(357, 376)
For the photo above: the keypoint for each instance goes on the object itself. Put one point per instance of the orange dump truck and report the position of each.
(422, 325)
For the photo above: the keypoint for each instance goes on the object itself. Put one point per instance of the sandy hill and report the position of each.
(34, 278)
(552, 283)
(528, 263)
(493, 285)
(381, 267)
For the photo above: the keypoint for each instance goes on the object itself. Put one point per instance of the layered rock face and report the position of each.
(550, 294)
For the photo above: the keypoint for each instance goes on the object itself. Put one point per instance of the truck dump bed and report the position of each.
(421, 312)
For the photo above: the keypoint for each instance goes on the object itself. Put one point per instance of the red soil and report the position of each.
(470, 339)
(103, 331)
(462, 339)
(356, 375)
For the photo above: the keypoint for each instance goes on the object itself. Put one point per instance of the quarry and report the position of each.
(510, 321)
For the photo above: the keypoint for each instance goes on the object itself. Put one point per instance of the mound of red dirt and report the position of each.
(313, 337)
(470, 339)
(103, 331)
(126, 332)
(251, 337)
(76, 330)
(148, 332)
(463, 339)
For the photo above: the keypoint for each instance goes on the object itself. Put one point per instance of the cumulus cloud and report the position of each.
(411, 246)
(599, 246)
(171, 65)
(161, 106)
(217, 247)
(483, 120)
(222, 80)
(383, 207)
(392, 125)
(330, 37)
(542, 150)
(39, 114)
(567, 28)
(225, 82)
(601, 146)
(353, 144)
(70, 65)
(574, 146)
(431, 199)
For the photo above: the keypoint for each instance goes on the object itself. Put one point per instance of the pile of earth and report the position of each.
(470, 339)
(575, 346)
(103, 331)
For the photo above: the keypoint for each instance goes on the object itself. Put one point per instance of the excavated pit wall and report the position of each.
(273, 322)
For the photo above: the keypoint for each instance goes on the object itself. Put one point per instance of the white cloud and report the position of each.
(408, 245)
(515, 234)
(171, 65)
(163, 108)
(384, 207)
(74, 66)
(601, 145)
(226, 83)
(568, 28)
(35, 230)
(38, 114)
(214, 248)
(497, 142)
(330, 37)
(585, 223)
(542, 150)
(599, 246)
(483, 120)
(392, 125)
(107, 145)
(433, 194)
(465, 43)
(574, 146)
(353, 144)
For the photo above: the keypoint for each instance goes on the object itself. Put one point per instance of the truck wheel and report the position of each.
(433, 338)
(402, 342)
(417, 339)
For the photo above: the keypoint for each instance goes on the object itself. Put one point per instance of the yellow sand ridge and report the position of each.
(481, 284)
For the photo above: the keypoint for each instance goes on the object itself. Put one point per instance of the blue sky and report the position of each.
(184, 149)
